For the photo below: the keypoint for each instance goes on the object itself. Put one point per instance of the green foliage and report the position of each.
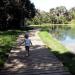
(1, 63)
(72, 12)
(13, 13)
(72, 23)
(7, 41)
(58, 15)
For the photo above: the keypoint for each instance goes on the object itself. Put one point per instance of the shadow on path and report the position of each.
(40, 62)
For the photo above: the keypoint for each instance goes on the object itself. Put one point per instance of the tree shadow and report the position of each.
(9, 32)
(68, 59)
(40, 61)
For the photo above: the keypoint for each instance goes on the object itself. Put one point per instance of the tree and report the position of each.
(72, 12)
(59, 15)
(40, 17)
(17, 10)
(53, 15)
(60, 10)
(2, 15)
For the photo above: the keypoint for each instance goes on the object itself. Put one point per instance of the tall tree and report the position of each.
(17, 10)
(72, 12)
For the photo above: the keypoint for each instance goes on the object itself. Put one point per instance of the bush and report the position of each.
(1, 63)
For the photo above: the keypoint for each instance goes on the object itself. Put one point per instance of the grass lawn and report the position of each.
(59, 50)
(7, 40)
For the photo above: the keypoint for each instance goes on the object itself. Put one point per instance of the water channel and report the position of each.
(66, 35)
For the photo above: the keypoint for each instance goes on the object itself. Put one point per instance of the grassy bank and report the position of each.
(59, 50)
(7, 41)
(51, 42)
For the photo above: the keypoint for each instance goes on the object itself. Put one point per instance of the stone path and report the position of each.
(40, 62)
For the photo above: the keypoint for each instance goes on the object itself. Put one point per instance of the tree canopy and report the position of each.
(58, 15)
(13, 12)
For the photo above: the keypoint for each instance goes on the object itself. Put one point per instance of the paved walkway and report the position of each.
(40, 62)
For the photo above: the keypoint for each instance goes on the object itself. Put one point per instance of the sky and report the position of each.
(48, 4)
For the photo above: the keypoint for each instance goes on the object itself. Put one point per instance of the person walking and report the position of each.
(28, 43)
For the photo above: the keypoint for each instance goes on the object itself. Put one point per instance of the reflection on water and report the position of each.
(68, 40)
(66, 35)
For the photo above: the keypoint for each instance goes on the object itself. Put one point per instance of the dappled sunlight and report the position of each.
(16, 51)
(46, 66)
(42, 66)
(22, 48)
(21, 36)
(17, 67)
(40, 61)
(37, 62)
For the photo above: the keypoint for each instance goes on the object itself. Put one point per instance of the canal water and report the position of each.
(66, 35)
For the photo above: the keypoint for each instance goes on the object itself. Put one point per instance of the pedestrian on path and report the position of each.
(28, 43)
